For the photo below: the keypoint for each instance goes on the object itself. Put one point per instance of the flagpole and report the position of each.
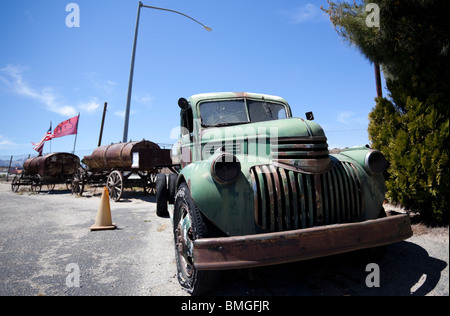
(50, 138)
(76, 135)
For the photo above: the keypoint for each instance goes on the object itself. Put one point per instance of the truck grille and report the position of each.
(286, 199)
(304, 154)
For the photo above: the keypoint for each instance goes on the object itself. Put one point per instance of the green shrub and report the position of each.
(416, 145)
(411, 127)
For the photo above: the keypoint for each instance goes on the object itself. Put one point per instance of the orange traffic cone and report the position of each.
(103, 220)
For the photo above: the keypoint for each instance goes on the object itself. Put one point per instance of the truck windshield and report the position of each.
(231, 112)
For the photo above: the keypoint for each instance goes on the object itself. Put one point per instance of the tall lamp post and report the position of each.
(130, 82)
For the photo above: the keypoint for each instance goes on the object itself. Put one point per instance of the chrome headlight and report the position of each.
(225, 168)
(375, 162)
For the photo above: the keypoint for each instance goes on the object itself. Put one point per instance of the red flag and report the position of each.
(67, 127)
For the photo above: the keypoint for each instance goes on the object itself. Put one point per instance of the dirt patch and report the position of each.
(437, 232)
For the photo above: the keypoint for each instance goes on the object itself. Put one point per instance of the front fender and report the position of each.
(372, 185)
(228, 206)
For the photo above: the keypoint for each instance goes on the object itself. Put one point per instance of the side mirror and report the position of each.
(183, 104)
(309, 116)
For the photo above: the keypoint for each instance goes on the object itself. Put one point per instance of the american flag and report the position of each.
(40, 146)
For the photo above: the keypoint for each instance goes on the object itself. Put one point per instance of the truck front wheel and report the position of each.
(189, 226)
(161, 195)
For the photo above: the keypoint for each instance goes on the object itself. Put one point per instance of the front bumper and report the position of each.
(296, 245)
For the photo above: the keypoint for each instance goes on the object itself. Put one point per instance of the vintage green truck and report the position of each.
(259, 187)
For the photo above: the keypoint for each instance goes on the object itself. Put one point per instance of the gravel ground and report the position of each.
(46, 243)
(42, 234)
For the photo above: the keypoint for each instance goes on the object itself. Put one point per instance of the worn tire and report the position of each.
(172, 187)
(189, 226)
(161, 195)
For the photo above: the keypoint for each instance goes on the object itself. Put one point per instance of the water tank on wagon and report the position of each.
(139, 155)
(53, 165)
(123, 165)
(51, 169)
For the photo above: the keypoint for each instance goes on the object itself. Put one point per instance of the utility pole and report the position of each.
(101, 127)
(378, 80)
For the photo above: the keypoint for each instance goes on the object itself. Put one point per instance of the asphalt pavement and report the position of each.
(47, 249)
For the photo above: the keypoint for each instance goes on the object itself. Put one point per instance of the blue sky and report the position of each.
(50, 72)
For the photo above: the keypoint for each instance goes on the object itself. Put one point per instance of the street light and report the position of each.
(130, 82)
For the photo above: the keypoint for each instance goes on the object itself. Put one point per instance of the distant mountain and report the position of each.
(14, 163)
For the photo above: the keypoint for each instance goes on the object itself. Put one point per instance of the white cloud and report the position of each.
(308, 13)
(145, 99)
(5, 143)
(16, 83)
(348, 117)
(122, 113)
(344, 117)
(104, 87)
(90, 106)
(111, 83)
(13, 79)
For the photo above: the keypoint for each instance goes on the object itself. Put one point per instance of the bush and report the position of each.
(411, 127)
(416, 145)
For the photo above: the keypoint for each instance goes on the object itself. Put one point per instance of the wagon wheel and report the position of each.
(151, 184)
(115, 185)
(69, 184)
(36, 184)
(77, 184)
(15, 184)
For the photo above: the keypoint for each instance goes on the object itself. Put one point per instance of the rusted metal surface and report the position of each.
(123, 165)
(305, 154)
(142, 155)
(296, 245)
(284, 199)
(52, 165)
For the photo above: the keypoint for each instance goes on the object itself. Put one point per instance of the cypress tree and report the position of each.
(411, 125)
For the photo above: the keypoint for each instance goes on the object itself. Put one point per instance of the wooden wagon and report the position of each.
(122, 165)
(51, 169)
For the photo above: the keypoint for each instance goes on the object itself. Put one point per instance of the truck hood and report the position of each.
(292, 143)
(291, 127)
